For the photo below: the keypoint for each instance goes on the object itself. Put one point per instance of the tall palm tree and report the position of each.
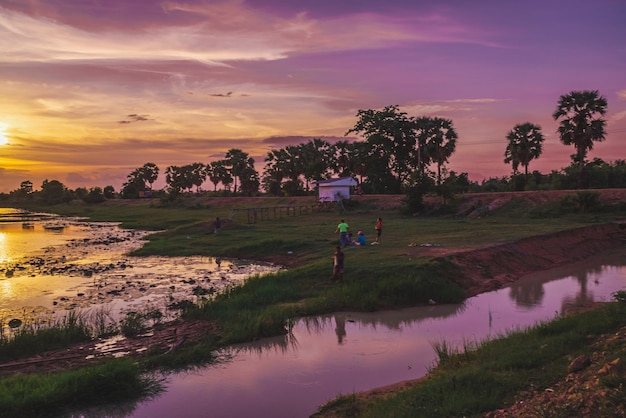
(525, 144)
(581, 123)
(441, 142)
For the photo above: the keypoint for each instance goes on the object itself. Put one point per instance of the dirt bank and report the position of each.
(483, 270)
(491, 268)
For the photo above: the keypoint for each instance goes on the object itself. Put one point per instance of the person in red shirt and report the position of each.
(379, 231)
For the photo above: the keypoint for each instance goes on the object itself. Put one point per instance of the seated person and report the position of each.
(350, 239)
(360, 239)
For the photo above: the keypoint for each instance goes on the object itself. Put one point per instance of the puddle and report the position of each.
(49, 265)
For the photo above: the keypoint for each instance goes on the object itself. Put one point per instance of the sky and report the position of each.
(92, 89)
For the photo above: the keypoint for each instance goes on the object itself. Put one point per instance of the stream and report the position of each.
(50, 264)
(342, 353)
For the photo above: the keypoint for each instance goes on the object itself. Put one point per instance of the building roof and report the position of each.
(341, 181)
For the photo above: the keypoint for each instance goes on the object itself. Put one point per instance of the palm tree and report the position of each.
(581, 124)
(441, 142)
(525, 144)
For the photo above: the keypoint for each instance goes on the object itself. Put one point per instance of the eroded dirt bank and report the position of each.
(491, 268)
(480, 270)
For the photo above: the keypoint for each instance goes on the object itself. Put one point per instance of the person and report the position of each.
(379, 230)
(360, 238)
(343, 228)
(338, 259)
(217, 225)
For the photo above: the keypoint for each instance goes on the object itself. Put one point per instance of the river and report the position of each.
(286, 376)
(349, 352)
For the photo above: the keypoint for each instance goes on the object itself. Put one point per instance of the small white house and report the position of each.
(335, 190)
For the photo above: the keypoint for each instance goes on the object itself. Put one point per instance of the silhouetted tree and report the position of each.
(581, 124)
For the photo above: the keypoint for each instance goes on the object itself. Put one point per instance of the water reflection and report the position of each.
(346, 352)
(57, 264)
(530, 292)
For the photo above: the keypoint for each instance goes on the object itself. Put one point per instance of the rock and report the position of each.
(581, 362)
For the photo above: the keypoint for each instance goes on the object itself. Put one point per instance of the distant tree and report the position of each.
(94, 195)
(217, 172)
(80, 193)
(53, 192)
(197, 175)
(317, 157)
(149, 172)
(441, 141)
(392, 142)
(239, 164)
(250, 182)
(581, 123)
(525, 144)
(26, 187)
(109, 192)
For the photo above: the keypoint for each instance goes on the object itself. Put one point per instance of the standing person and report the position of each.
(343, 229)
(338, 258)
(217, 225)
(379, 230)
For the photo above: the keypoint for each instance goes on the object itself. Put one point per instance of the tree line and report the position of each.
(399, 154)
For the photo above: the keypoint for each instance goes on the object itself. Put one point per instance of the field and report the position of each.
(480, 243)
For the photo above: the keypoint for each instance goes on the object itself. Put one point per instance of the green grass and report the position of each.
(52, 395)
(390, 275)
(487, 375)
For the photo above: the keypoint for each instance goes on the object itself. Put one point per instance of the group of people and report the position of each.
(345, 238)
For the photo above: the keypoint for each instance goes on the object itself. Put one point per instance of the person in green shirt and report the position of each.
(343, 229)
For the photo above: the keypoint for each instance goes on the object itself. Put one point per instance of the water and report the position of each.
(286, 376)
(50, 264)
(350, 352)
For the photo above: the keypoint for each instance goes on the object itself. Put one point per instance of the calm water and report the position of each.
(350, 352)
(287, 376)
(50, 264)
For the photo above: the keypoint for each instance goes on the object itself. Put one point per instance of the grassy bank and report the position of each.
(397, 273)
(489, 375)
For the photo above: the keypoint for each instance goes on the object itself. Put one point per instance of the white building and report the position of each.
(335, 190)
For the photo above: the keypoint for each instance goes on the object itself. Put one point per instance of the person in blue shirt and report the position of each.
(360, 238)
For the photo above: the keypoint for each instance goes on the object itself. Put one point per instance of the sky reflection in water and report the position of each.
(349, 352)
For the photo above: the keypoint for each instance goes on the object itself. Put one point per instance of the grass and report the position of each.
(487, 375)
(52, 395)
(390, 275)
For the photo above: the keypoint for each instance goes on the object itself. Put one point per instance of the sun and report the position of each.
(4, 139)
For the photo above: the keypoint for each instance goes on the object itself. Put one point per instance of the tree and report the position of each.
(53, 192)
(393, 145)
(149, 172)
(317, 157)
(440, 141)
(581, 123)
(109, 192)
(239, 164)
(525, 144)
(26, 187)
(217, 172)
(94, 195)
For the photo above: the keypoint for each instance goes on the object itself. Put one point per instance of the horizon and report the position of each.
(93, 91)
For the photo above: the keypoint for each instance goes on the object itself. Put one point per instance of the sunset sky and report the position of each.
(92, 89)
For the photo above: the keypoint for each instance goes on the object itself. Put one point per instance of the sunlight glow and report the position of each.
(4, 252)
(4, 139)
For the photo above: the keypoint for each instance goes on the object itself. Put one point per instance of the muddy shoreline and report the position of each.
(480, 270)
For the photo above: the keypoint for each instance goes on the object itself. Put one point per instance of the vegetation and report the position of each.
(57, 394)
(396, 155)
(263, 305)
(581, 124)
(489, 375)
